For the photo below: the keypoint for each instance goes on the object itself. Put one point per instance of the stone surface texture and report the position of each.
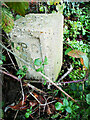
(39, 35)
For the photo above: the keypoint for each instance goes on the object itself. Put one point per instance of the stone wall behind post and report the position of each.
(39, 35)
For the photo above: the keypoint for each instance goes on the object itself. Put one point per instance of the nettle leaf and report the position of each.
(58, 105)
(68, 50)
(18, 7)
(75, 53)
(88, 98)
(85, 59)
(7, 22)
(68, 109)
(38, 62)
(65, 102)
(45, 61)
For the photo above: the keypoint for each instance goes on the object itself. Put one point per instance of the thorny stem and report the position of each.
(40, 73)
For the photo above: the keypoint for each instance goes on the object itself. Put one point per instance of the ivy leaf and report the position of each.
(18, 7)
(65, 102)
(68, 109)
(58, 105)
(68, 50)
(86, 61)
(45, 61)
(88, 98)
(38, 62)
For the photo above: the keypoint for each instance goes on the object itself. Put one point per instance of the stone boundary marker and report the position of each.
(39, 35)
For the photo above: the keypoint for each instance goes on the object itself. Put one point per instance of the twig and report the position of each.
(57, 87)
(39, 73)
(9, 75)
(69, 70)
(72, 82)
(35, 98)
(40, 102)
(22, 91)
(11, 60)
(33, 87)
(16, 114)
(68, 44)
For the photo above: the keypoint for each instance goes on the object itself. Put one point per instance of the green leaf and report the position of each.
(18, 47)
(3, 58)
(58, 105)
(24, 68)
(41, 9)
(68, 50)
(28, 110)
(65, 102)
(73, 86)
(45, 82)
(27, 115)
(38, 62)
(70, 103)
(68, 109)
(1, 62)
(88, 98)
(55, 116)
(45, 61)
(86, 61)
(18, 7)
(40, 69)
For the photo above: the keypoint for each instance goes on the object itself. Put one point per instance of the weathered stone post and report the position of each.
(39, 35)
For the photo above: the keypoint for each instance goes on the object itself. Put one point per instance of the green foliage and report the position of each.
(28, 113)
(22, 72)
(1, 62)
(79, 45)
(38, 62)
(68, 106)
(58, 105)
(3, 58)
(88, 98)
(7, 20)
(77, 74)
(40, 65)
(18, 7)
(41, 9)
(76, 20)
